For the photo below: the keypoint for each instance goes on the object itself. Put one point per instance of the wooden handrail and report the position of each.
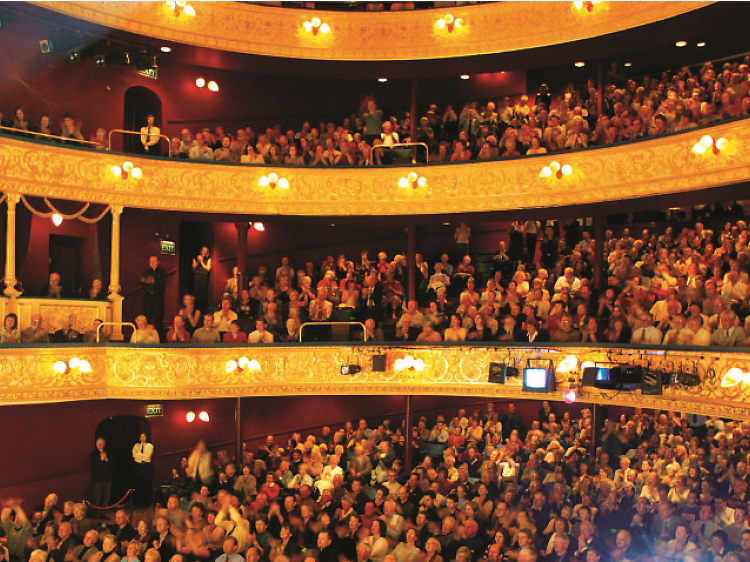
(66, 139)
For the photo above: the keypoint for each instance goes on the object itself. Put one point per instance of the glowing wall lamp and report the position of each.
(213, 86)
(241, 364)
(557, 170)
(570, 396)
(258, 226)
(707, 142)
(63, 368)
(200, 82)
(449, 22)
(316, 26)
(126, 171)
(203, 416)
(408, 363)
(57, 219)
(735, 376)
(180, 7)
(412, 181)
(567, 365)
(272, 180)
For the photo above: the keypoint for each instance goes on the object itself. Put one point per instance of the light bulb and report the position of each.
(57, 219)
(243, 362)
(412, 177)
(448, 19)
(213, 86)
(587, 364)
(189, 11)
(263, 182)
(253, 365)
(116, 171)
(231, 366)
(60, 367)
(403, 182)
(570, 396)
(171, 4)
(567, 170)
(419, 365)
(325, 28)
(284, 183)
(465, 77)
(578, 4)
(546, 172)
(308, 26)
(459, 23)
(137, 173)
(74, 363)
(699, 148)
(440, 24)
(722, 143)
(190, 416)
(203, 416)
(84, 366)
(259, 226)
(181, 3)
(273, 178)
(421, 182)
(127, 166)
(555, 166)
(315, 22)
(707, 141)
(200, 82)
(399, 365)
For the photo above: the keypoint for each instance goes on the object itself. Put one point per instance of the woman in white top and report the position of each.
(536, 147)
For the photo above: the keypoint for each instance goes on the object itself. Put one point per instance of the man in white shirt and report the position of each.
(143, 452)
(646, 333)
(260, 335)
(151, 138)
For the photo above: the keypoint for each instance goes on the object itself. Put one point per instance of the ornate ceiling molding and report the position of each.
(166, 373)
(488, 28)
(660, 166)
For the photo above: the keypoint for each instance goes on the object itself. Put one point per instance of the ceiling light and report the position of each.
(465, 77)
(213, 86)
(259, 226)
(382, 79)
(701, 44)
(580, 64)
(200, 82)
(681, 44)
(166, 49)
(628, 64)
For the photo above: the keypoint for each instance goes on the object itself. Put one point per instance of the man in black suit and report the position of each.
(163, 540)
(534, 334)
(510, 331)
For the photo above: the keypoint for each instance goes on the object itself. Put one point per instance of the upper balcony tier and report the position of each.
(387, 36)
(665, 165)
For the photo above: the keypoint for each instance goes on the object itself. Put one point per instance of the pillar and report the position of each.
(408, 424)
(242, 228)
(413, 114)
(10, 249)
(411, 252)
(238, 456)
(598, 251)
(114, 275)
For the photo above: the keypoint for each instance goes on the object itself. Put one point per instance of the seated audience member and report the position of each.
(97, 292)
(260, 335)
(144, 332)
(10, 333)
(35, 333)
(53, 290)
(235, 334)
(729, 333)
(67, 331)
(178, 333)
(206, 333)
(225, 154)
(224, 317)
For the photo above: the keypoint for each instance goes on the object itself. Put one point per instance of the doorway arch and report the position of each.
(139, 102)
(121, 433)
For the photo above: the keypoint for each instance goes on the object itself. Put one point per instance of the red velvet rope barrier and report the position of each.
(110, 506)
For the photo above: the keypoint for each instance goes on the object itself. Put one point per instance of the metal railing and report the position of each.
(33, 134)
(364, 330)
(126, 132)
(99, 327)
(406, 144)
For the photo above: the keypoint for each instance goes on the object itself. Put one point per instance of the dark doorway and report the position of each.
(65, 258)
(139, 103)
(121, 433)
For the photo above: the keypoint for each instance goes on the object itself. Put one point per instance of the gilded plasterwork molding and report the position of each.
(658, 166)
(489, 28)
(163, 373)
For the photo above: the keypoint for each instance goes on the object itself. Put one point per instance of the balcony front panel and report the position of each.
(488, 28)
(27, 374)
(658, 166)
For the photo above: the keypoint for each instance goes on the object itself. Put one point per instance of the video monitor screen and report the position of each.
(535, 379)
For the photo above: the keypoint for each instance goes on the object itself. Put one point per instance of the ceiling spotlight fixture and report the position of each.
(382, 79)
(259, 226)
(681, 44)
(213, 86)
(580, 64)
(166, 49)
(200, 82)
(57, 219)
(465, 77)
(701, 44)
(628, 64)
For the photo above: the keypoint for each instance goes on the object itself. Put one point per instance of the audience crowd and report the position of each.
(488, 487)
(481, 131)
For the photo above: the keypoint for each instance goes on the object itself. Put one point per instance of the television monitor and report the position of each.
(606, 377)
(588, 377)
(537, 379)
(651, 382)
(630, 378)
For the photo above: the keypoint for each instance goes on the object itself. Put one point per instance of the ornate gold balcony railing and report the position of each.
(28, 375)
(658, 166)
(488, 28)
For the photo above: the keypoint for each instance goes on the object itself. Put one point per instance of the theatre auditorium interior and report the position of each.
(374, 281)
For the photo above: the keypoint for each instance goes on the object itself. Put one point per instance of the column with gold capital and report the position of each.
(114, 275)
(10, 250)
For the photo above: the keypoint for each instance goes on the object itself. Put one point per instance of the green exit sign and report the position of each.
(154, 410)
(168, 248)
